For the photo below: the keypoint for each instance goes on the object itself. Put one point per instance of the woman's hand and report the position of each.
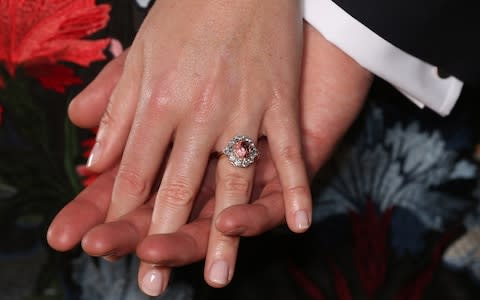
(198, 74)
(332, 93)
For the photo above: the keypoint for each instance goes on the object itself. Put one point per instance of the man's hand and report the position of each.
(332, 93)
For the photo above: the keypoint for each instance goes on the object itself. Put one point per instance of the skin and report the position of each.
(187, 88)
(332, 93)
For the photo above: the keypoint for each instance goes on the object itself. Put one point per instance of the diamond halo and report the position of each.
(241, 151)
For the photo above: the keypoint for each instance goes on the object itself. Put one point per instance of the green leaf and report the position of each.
(71, 154)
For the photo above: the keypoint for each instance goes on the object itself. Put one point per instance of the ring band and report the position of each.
(241, 151)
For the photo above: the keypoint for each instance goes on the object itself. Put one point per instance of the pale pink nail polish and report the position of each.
(152, 283)
(219, 272)
(301, 220)
(94, 154)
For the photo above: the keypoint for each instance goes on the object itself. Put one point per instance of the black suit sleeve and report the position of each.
(444, 33)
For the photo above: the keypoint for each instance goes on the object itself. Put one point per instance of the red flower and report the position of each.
(370, 253)
(88, 177)
(341, 285)
(305, 283)
(416, 289)
(370, 233)
(39, 35)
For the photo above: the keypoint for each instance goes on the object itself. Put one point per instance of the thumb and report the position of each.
(87, 108)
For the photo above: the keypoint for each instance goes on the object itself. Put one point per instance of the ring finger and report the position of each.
(234, 181)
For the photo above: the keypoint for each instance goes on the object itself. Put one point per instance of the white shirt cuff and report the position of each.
(416, 79)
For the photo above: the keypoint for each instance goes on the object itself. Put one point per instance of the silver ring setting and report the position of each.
(241, 151)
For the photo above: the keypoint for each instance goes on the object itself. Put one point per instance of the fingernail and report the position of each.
(152, 283)
(94, 155)
(236, 231)
(111, 258)
(301, 220)
(219, 272)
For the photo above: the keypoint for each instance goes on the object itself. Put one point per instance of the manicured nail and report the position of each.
(152, 283)
(219, 272)
(301, 220)
(94, 155)
(111, 258)
(236, 231)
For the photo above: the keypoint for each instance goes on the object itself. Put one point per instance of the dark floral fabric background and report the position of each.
(396, 212)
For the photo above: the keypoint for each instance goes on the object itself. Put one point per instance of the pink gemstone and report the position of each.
(241, 149)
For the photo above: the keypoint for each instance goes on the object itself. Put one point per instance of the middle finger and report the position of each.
(180, 183)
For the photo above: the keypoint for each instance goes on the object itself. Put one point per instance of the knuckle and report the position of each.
(291, 154)
(223, 240)
(302, 191)
(237, 185)
(159, 102)
(160, 93)
(132, 183)
(281, 93)
(201, 118)
(204, 106)
(178, 194)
